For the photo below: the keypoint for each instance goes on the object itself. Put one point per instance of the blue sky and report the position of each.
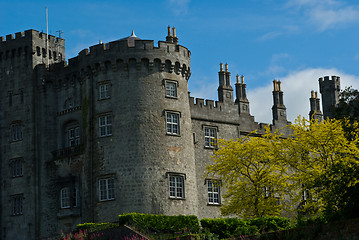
(295, 41)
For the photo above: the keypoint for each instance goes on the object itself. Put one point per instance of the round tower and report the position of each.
(139, 134)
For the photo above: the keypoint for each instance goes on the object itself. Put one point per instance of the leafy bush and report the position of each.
(227, 227)
(94, 227)
(270, 224)
(223, 227)
(161, 223)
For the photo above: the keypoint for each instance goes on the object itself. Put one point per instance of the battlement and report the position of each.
(327, 83)
(205, 103)
(29, 35)
(140, 45)
(143, 55)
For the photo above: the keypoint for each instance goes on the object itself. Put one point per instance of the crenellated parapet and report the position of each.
(39, 46)
(117, 56)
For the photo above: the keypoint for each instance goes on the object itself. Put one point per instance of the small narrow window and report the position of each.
(44, 53)
(104, 91)
(171, 89)
(267, 192)
(172, 122)
(73, 136)
(105, 125)
(106, 189)
(16, 132)
(65, 197)
(210, 136)
(214, 196)
(16, 202)
(16, 167)
(75, 195)
(176, 186)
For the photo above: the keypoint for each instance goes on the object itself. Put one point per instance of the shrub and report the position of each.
(161, 223)
(223, 227)
(95, 227)
(227, 227)
(271, 224)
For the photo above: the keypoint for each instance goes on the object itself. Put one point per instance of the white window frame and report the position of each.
(75, 196)
(171, 88)
(16, 205)
(65, 198)
(73, 136)
(104, 91)
(16, 132)
(106, 189)
(214, 192)
(176, 186)
(173, 123)
(210, 137)
(16, 167)
(105, 126)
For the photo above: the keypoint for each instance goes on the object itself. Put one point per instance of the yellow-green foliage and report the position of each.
(247, 166)
(320, 156)
(312, 158)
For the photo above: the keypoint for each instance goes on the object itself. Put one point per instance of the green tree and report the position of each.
(255, 180)
(322, 160)
(315, 168)
(348, 105)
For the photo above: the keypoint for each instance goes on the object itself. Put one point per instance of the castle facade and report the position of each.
(113, 131)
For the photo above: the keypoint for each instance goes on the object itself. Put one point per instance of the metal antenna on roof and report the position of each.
(47, 37)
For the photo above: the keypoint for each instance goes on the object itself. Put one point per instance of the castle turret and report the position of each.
(329, 88)
(278, 109)
(241, 96)
(315, 112)
(225, 91)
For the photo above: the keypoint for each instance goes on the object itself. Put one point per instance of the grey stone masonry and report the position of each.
(111, 131)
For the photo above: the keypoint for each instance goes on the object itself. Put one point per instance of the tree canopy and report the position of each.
(311, 170)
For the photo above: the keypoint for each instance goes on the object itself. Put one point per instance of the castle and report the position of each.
(113, 131)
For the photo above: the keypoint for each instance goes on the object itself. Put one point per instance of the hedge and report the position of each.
(161, 223)
(94, 227)
(227, 227)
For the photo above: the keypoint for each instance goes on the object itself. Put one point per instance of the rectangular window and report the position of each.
(213, 192)
(171, 89)
(105, 125)
(172, 120)
(106, 189)
(104, 91)
(176, 187)
(210, 136)
(73, 136)
(16, 132)
(65, 197)
(267, 192)
(75, 195)
(16, 203)
(16, 167)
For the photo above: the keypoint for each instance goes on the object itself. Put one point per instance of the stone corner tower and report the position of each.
(330, 89)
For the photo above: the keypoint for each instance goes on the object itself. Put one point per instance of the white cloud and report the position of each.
(178, 6)
(296, 87)
(326, 14)
(269, 36)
